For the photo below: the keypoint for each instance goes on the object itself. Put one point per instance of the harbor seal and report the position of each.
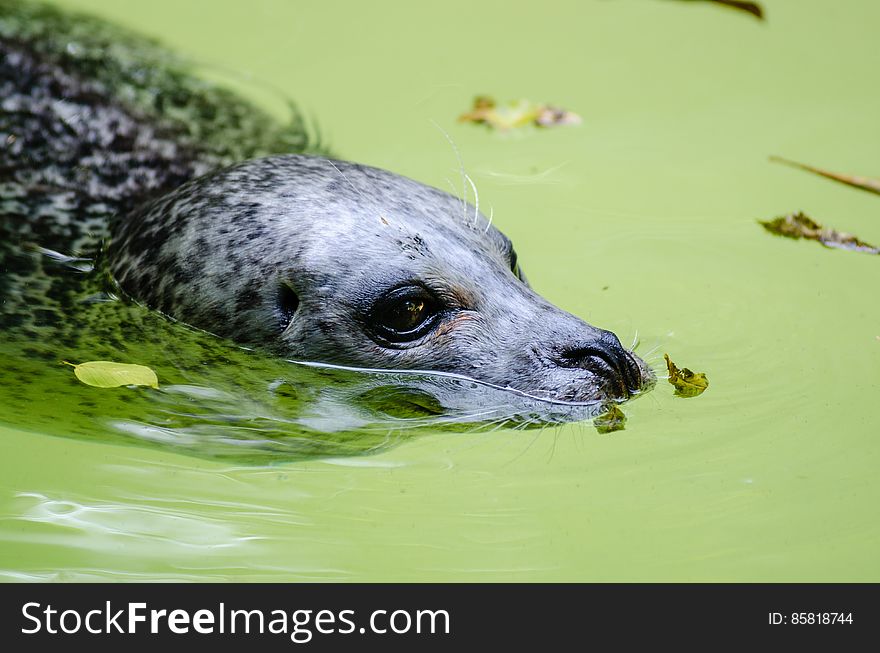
(211, 213)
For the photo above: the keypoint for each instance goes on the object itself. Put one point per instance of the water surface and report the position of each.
(642, 220)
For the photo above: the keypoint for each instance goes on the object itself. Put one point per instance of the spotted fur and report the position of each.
(93, 122)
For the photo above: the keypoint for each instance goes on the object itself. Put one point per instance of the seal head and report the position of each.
(337, 262)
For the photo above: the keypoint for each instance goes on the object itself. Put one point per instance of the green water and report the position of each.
(641, 220)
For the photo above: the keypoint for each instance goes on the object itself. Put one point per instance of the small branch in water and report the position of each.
(750, 7)
(864, 183)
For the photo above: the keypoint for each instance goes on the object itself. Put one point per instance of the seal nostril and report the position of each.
(608, 357)
(632, 373)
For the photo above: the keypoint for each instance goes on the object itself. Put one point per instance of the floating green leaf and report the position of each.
(798, 225)
(518, 113)
(611, 420)
(751, 7)
(106, 374)
(687, 383)
(864, 183)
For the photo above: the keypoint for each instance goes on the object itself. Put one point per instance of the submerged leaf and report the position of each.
(106, 374)
(798, 225)
(611, 420)
(751, 7)
(687, 383)
(864, 183)
(518, 113)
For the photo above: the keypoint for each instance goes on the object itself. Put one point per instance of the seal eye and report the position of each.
(287, 303)
(405, 314)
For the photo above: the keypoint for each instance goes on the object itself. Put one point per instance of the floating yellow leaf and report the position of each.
(518, 113)
(798, 225)
(864, 183)
(687, 383)
(106, 374)
(611, 420)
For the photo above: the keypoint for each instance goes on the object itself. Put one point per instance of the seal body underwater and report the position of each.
(217, 216)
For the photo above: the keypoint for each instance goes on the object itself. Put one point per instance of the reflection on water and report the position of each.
(144, 530)
(258, 523)
(222, 401)
(195, 535)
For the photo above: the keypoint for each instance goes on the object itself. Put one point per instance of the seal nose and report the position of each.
(607, 357)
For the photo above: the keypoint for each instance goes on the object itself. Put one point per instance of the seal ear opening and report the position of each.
(287, 303)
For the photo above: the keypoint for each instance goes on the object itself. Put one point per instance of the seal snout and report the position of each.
(606, 359)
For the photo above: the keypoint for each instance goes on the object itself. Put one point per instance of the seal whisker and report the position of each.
(476, 199)
(460, 167)
(491, 215)
(524, 451)
(555, 441)
(496, 423)
(467, 417)
(419, 422)
(522, 426)
(452, 187)
(411, 423)
(481, 430)
(499, 423)
(509, 179)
